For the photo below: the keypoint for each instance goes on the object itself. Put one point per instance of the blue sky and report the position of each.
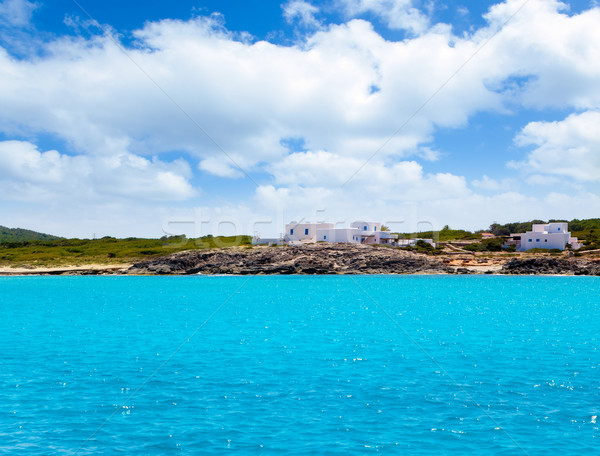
(152, 118)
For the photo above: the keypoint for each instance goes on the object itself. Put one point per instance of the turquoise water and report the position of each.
(412, 365)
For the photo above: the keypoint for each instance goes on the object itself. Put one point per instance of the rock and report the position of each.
(306, 259)
(343, 259)
(545, 265)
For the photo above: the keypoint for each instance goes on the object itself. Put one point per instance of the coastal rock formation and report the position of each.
(305, 259)
(547, 265)
(351, 259)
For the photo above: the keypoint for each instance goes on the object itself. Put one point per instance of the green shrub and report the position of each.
(486, 245)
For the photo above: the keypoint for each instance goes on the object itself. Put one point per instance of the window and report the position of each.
(374, 228)
(306, 231)
(291, 231)
(324, 237)
(537, 240)
(529, 240)
(365, 228)
(558, 228)
(545, 240)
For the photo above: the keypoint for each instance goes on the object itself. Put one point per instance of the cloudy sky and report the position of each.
(152, 118)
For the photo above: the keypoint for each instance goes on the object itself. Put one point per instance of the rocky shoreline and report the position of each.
(306, 259)
(330, 259)
(569, 266)
(350, 259)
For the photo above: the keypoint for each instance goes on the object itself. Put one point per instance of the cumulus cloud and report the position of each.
(487, 183)
(550, 53)
(374, 180)
(569, 147)
(301, 11)
(397, 14)
(459, 207)
(16, 13)
(28, 174)
(220, 166)
(344, 89)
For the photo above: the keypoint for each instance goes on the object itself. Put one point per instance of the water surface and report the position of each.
(412, 365)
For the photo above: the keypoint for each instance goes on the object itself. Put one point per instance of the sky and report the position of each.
(160, 118)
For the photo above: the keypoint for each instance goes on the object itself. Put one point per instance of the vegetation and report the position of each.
(21, 235)
(19, 247)
(445, 234)
(486, 245)
(423, 247)
(587, 230)
(509, 228)
(107, 250)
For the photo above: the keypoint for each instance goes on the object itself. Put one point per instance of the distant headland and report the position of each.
(447, 251)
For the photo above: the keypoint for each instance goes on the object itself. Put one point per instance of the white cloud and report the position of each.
(542, 180)
(16, 13)
(345, 90)
(462, 10)
(570, 147)
(397, 14)
(301, 11)
(429, 154)
(549, 55)
(487, 183)
(402, 180)
(220, 166)
(30, 175)
(445, 203)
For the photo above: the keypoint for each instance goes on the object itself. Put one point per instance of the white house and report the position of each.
(358, 233)
(547, 236)
(413, 241)
(370, 233)
(304, 232)
(338, 235)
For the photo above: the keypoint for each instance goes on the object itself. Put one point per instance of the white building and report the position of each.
(304, 232)
(358, 233)
(370, 233)
(338, 235)
(547, 236)
(413, 241)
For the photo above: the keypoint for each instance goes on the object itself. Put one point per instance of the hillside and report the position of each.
(22, 235)
(106, 250)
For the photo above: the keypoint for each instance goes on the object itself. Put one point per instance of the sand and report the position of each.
(7, 270)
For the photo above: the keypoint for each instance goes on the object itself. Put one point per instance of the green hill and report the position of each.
(22, 235)
(106, 250)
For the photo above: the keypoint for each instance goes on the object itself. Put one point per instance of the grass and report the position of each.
(107, 250)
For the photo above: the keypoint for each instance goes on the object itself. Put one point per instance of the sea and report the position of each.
(300, 365)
